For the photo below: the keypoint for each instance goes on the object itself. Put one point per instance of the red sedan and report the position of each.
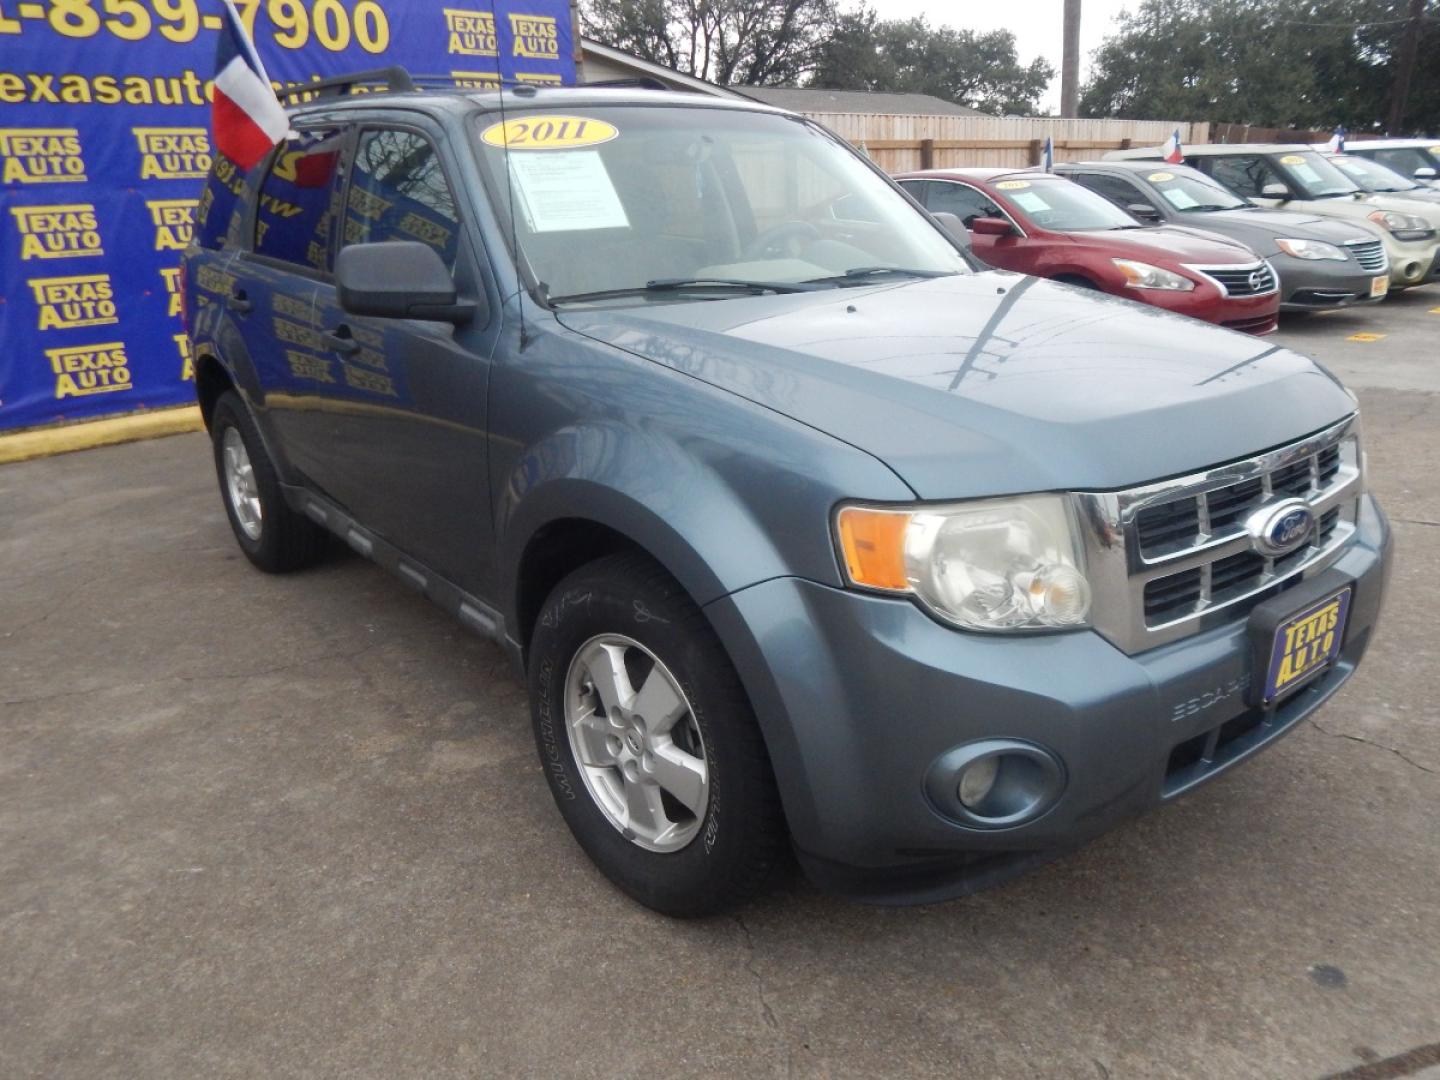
(1041, 224)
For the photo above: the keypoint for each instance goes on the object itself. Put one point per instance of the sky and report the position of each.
(1035, 24)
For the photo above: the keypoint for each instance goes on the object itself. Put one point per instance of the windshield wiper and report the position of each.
(858, 275)
(669, 285)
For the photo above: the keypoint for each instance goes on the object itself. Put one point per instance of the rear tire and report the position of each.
(273, 537)
(649, 743)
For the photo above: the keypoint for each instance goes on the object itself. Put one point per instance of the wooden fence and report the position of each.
(900, 142)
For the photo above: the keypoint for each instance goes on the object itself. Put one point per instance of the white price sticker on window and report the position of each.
(567, 191)
(1030, 202)
(1179, 198)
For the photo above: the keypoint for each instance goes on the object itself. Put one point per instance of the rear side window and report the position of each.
(917, 188)
(215, 216)
(298, 199)
(398, 191)
(1245, 176)
(964, 202)
(1118, 190)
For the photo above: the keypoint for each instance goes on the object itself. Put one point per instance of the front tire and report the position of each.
(273, 537)
(649, 743)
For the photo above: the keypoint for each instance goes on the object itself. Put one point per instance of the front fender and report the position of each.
(718, 519)
(722, 491)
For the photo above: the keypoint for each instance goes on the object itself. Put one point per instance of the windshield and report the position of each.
(1192, 192)
(1314, 177)
(1372, 176)
(616, 199)
(1060, 205)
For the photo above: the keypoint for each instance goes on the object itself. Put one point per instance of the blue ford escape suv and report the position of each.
(806, 535)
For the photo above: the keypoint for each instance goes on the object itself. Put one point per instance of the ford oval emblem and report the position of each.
(1280, 528)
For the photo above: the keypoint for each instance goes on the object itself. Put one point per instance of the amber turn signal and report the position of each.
(873, 544)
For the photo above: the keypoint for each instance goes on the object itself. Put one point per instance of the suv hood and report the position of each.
(993, 383)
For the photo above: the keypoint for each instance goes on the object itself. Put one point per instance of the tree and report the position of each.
(731, 42)
(1272, 63)
(981, 70)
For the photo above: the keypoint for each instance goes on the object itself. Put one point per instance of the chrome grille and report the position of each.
(1370, 254)
(1252, 279)
(1170, 559)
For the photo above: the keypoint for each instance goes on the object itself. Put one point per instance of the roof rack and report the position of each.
(642, 82)
(393, 78)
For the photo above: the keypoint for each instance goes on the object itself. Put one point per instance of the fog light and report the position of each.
(977, 780)
(996, 783)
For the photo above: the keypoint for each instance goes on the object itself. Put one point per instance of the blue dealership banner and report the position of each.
(104, 146)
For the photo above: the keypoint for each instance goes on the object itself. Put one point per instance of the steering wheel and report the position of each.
(778, 238)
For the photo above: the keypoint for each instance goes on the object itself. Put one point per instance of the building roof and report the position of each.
(809, 99)
(634, 66)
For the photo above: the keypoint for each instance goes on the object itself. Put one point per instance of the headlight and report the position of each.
(992, 564)
(1403, 226)
(1311, 249)
(1140, 275)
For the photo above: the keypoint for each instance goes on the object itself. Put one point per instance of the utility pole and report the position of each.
(1405, 68)
(1070, 61)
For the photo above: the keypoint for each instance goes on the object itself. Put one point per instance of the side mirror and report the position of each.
(1425, 173)
(398, 279)
(955, 227)
(1143, 210)
(1275, 191)
(991, 226)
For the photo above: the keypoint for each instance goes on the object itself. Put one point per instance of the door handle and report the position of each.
(240, 303)
(343, 344)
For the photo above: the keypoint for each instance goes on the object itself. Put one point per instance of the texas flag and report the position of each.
(1336, 145)
(245, 115)
(1173, 153)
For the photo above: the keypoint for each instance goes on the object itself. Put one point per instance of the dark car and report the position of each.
(1038, 223)
(1322, 263)
(803, 534)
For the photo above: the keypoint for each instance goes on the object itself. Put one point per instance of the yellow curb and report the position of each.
(42, 442)
(1366, 337)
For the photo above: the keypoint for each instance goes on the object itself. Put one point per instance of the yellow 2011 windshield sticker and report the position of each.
(1013, 185)
(549, 132)
(1292, 159)
(1160, 177)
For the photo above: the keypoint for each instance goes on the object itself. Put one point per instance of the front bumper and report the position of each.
(1412, 262)
(1250, 314)
(1322, 285)
(859, 695)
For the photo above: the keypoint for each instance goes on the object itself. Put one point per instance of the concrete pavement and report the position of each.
(295, 827)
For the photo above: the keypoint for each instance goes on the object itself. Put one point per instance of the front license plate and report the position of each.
(1305, 644)
(1380, 286)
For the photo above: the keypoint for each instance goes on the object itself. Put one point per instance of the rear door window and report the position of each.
(298, 199)
(398, 191)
